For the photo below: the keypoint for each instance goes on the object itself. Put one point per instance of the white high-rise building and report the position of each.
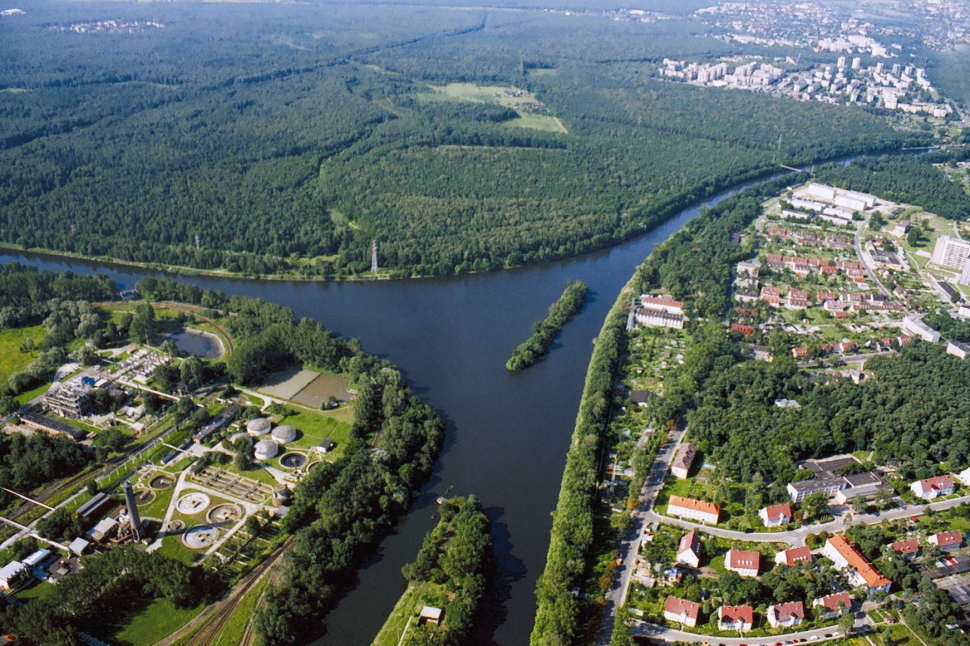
(951, 253)
(856, 63)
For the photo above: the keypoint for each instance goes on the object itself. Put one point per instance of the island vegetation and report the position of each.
(450, 574)
(545, 332)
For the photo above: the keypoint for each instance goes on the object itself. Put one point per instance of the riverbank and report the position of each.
(663, 213)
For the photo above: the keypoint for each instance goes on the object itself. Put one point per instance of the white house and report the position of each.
(775, 515)
(704, 512)
(689, 550)
(794, 556)
(930, 488)
(685, 460)
(681, 611)
(742, 562)
(964, 477)
(786, 614)
(835, 604)
(947, 540)
(861, 573)
(737, 618)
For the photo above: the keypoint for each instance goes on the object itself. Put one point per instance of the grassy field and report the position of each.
(232, 633)
(11, 359)
(472, 93)
(314, 427)
(173, 548)
(158, 507)
(392, 630)
(158, 619)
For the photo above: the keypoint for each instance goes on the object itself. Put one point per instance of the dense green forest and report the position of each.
(106, 588)
(906, 179)
(455, 558)
(544, 332)
(286, 139)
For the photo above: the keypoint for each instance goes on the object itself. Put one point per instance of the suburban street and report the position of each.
(644, 514)
(629, 547)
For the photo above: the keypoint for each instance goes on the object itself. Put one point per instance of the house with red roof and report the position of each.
(738, 618)
(906, 549)
(743, 562)
(930, 488)
(835, 604)
(786, 614)
(775, 515)
(684, 461)
(682, 611)
(704, 512)
(689, 550)
(795, 556)
(840, 551)
(947, 540)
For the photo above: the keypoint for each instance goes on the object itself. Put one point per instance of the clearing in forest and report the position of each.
(532, 112)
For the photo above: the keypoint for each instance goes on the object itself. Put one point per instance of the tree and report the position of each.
(846, 622)
(192, 372)
(142, 328)
(754, 497)
(815, 505)
(859, 504)
(27, 345)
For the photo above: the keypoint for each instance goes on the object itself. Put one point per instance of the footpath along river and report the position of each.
(507, 434)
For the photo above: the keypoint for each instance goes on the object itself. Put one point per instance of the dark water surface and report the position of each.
(507, 433)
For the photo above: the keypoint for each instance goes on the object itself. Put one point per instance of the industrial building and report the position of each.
(69, 399)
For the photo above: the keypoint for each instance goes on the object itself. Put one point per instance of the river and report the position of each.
(507, 434)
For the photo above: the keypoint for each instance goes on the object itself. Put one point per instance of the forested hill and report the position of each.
(286, 138)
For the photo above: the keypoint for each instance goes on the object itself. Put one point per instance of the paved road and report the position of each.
(646, 629)
(866, 261)
(630, 546)
(796, 538)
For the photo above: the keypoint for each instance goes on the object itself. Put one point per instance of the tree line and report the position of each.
(544, 332)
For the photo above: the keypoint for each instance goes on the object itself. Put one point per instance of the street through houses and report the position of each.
(644, 514)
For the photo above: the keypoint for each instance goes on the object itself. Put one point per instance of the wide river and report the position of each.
(507, 433)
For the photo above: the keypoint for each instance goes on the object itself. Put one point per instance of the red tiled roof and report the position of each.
(785, 611)
(657, 300)
(832, 601)
(680, 606)
(857, 562)
(937, 482)
(778, 511)
(686, 457)
(689, 541)
(946, 539)
(736, 613)
(798, 555)
(910, 546)
(696, 505)
(740, 559)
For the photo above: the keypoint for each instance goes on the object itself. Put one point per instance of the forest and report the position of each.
(905, 179)
(455, 559)
(294, 141)
(545, 332)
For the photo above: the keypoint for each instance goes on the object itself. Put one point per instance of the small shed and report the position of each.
(431, 615)
(78, 546)
(326, 445)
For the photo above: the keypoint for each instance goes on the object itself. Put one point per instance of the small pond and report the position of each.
(202, 344)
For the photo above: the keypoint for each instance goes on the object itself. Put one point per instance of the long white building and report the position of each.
(951, 252)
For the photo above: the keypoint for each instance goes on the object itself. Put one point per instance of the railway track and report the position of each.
(205, 628)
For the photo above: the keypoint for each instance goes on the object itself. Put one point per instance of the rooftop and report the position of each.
(696, 505)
